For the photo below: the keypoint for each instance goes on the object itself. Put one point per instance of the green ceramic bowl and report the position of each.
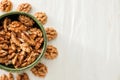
(13, 15)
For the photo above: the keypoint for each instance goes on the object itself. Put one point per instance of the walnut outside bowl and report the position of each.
(13, 15)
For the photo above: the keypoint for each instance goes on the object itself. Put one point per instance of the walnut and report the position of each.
(10, 76)
(4, 60)
(14, 39)
(33, 36)
(7, 35)
(3, 46)
(27, 38)
(11, 55)
(25, 47)
(38, 42)
(26, 20)
(21, 56)
(7, 77)
(23, 76)
(13, 47)
(5, 5)
(30, 58)
(51, 33)
(39, 70)
(42, 17)
(36, 31)
(5, 57)
(2, 32)
(18, 59)
(3, 77)
(51, 52)
(3, 53)
(24, 7)
(14, 60)
(1, 38)
(19, 77)
(6, 23)
(17, 26)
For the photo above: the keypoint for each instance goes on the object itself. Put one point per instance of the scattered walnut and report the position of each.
(42, 17)
(26, 20)
(7, 77)
(24, 7)
(23, 76)
(39, 70)
(51, 52)
(10, 76)
(51, 33)
(5, 5)
(3, 77)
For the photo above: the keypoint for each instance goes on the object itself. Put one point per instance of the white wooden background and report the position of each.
(88, 40)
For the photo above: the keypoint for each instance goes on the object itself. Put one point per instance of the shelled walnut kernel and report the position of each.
(7, 77)
(24, 7)
(23, 76)
(51, 52)
(51, 33)
(39, 70)
(5, 5)
(41, 16)
(26, 20)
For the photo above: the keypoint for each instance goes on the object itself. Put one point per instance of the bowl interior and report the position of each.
(13, 16)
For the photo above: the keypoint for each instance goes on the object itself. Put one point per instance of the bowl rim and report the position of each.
(44, 45)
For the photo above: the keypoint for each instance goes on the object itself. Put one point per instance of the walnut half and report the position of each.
(24, 7)
(39, 70)
(51, 52)
(41, 16)
(5, 5)
(51, 33)
(23, 76)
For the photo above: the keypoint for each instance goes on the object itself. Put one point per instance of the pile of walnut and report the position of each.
(18, 40)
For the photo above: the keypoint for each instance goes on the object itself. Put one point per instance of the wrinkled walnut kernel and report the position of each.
(23, 76)
(17, 26)
(7, 77)
(10, 76)
(24, 7)
(42, 17)
(39, 70)
(26, 20)
(5, 5)
(51, 33)
(51, 52)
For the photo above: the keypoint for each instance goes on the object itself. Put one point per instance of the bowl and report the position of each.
(13, 15)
